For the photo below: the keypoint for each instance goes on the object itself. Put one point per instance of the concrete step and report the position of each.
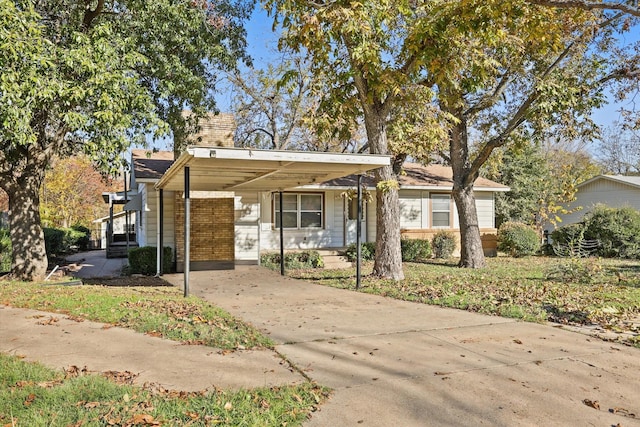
(335, 261)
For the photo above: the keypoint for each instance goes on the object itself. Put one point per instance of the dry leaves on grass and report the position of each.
(50, 321)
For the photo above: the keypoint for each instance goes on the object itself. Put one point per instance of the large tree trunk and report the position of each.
(464, 176)
(388, 258)
(29, 257)
(471, 252)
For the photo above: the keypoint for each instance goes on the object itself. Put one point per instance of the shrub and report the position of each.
(443, 243)
(568, 235)
(73, 240)
(367, 252)
(617, 230)
(143, 260)
(415, 249)
(59, 241)
(304, 259)
(54, 241)
(610, 232)
(82, 242)
(5, 250)
(518, 239)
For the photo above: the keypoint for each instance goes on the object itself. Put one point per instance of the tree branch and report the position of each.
(631, 9)
(90, 15)
(519, 117)
(489, 99)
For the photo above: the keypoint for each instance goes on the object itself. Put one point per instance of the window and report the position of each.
(298, 210)
(440, 210)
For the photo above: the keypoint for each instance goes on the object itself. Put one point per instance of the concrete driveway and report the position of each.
(394, 363)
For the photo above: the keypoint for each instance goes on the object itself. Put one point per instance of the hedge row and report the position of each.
(60, 241)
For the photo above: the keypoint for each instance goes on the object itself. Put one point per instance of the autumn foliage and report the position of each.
(72, 193)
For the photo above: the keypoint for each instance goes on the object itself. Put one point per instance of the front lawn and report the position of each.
(33, 395)
(569, 291)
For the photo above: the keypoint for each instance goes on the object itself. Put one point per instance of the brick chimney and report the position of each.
(216, 130)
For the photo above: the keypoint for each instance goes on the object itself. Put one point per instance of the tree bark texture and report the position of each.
(388, 258)
(471, 252)
(29, 258)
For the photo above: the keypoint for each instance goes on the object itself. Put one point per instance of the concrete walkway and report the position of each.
(92, 264)
(395, 363)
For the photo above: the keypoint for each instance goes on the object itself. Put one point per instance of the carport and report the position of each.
(233, 169)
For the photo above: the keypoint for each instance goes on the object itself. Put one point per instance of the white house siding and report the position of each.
(141, 216)
(602, 191)
(247, 229)
(371, 219)
(335, 217)
(149, 217)
(485, 209)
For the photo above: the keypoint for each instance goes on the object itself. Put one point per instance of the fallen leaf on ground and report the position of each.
(592, 403)
(120, 377)
(29, 399)
(143, 419)
(50, 321)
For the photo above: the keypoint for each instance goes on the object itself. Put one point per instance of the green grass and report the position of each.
(601, 292)
(159, 311)
(33, 395)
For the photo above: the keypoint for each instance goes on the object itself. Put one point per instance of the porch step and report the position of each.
(336, 261)
(334, 258)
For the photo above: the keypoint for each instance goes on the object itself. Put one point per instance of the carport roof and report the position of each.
(235, 169)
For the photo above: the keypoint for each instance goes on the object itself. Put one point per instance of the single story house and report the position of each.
(615, 191)
(237, 226)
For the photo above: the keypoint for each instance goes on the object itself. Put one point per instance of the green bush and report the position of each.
(617, 230)
(367, 252)
(60, 241)
(82, 242)
(518, 239)
(293, 260)
(443, 244)
(143, 260)
(54, 241)
(415, 249)
(5, 250)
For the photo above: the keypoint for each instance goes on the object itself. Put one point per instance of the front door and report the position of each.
(351, 213)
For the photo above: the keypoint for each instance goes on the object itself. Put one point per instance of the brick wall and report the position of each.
(212, 230)
(216, 130)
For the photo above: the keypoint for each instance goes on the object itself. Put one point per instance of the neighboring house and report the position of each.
(314, 216)
(615, 191)
(100, 233)
(118, 230)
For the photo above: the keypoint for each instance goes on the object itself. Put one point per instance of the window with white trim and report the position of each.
(303, 210)
(441, 210)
